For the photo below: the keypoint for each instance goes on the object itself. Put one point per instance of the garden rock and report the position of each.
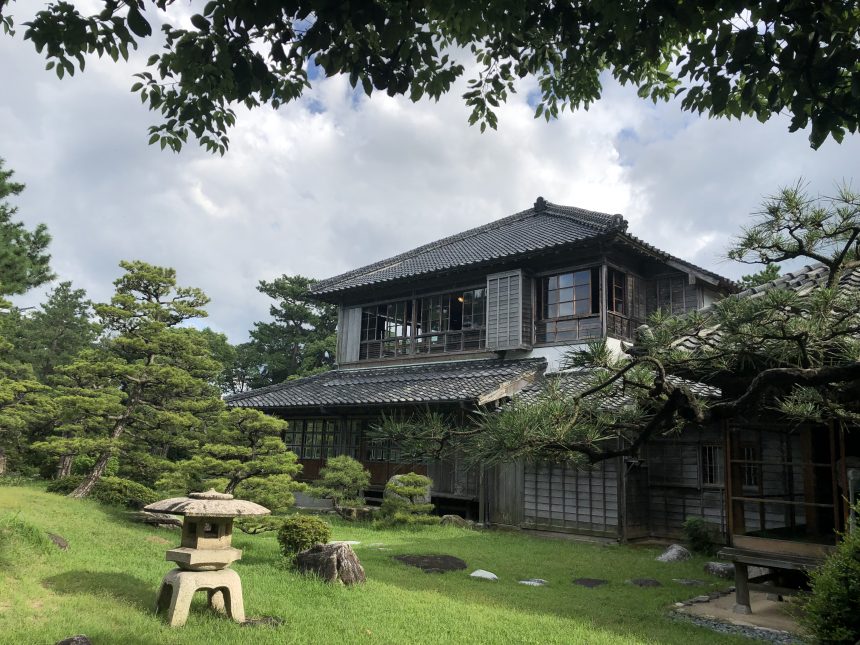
(481, 574)
(674, 553)
(332, 562)
(455, 520)
(60, 542)
(590, 583)
(80, 639)
(720, 569)
(356, 513)
(432, 563)
(534, 582)
(645, 582)
(423, 499)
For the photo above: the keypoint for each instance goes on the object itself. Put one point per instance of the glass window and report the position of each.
(712, 465)
(617, 291)
(566, 303)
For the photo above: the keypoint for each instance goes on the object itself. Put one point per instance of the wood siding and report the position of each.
(566, 498)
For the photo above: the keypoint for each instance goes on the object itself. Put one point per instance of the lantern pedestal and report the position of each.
(179, 586)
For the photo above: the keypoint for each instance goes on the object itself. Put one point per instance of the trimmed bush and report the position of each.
(343, 481)
(700, 535)
(831, 612)
(403, 501)
(300, 532)
(113, 491)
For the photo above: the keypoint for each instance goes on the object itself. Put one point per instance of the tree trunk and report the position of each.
(93, 478)
(231, 485)
(2, 461)
(64, 466)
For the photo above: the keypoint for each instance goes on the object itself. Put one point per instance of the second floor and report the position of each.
(547, 277)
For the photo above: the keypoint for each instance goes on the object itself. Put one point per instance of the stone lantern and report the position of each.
(205, 554)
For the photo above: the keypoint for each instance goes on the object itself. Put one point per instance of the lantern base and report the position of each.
(203, 559)
(178, 587)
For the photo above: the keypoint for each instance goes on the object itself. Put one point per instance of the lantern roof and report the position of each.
(207, 504)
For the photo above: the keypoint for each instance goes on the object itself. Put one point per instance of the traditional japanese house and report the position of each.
(497, 307)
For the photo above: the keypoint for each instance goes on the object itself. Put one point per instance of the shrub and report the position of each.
(65, 485)
(403, 502)
(831, 612)
(343, 481)
(700, 535)
(18, 537)
(300, 532)
(116, 491)
(109, 490)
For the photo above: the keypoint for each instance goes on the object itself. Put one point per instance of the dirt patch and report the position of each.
(156, 539)
(590, 583)
(432, 563)
(645, 582)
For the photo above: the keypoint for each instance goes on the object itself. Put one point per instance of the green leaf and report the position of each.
(137, 23)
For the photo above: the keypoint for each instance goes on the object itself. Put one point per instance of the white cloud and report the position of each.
(336, 181)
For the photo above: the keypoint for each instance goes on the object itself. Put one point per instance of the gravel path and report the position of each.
(755, 633)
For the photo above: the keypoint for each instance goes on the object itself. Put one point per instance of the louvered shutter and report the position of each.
(507, 327)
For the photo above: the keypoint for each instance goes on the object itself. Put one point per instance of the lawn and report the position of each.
(104, 586)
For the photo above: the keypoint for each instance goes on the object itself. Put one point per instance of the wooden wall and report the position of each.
(566, 498)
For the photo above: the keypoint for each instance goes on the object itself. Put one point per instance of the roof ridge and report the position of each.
(541, 206)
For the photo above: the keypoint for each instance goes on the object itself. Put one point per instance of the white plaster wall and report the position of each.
(554, 355)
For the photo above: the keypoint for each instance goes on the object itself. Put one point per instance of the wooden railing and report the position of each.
(442, 342)
(618, 326)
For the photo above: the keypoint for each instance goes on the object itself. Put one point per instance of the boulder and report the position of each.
(455, 520)
(332, 562)
(720, 569)
(480, 574)
(424, 499)
(80, 639)
(674, 553)
(356, 513)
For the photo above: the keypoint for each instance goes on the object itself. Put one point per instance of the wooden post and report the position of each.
(742, 589)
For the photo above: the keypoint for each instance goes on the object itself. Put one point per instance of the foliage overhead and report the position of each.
(768, 274)
(724, 59)
(794, 352)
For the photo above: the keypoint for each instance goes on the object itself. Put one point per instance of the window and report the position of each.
(386, 330)
(751, 470)
(712, 465)
(617, 285)
(568, 306)
(450, 322)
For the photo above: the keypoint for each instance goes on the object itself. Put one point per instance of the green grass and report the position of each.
(104, 586)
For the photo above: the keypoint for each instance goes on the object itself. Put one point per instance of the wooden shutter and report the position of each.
(507, 327)
(348, 334)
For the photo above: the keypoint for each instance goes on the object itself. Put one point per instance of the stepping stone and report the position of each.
(591, 583)
(376, 545)
(534, 582)
(720, 569)
(480, 574)
(432, 563)
(349, 542)
(645, 582)
(688, 582)
(701, 599)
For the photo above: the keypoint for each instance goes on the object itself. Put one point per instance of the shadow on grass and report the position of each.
(121, 586)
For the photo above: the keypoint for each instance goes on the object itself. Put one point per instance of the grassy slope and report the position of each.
(104, 586)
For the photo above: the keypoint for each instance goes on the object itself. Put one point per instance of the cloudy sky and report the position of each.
(335, 181)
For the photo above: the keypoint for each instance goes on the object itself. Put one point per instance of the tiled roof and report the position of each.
(430, 383)
(543, 226)
(572, 382)
(802, 281)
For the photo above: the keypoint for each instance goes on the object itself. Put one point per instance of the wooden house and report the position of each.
(443, 324)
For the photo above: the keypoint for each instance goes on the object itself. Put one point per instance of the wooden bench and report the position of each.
(744, 558)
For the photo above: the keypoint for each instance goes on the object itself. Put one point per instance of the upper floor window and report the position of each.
(448, 322)
(569, 306)
(617, 287)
